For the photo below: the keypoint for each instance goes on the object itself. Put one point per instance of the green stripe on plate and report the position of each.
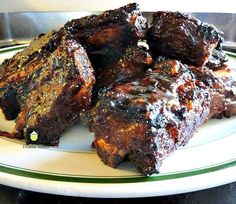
(32, 174)
(231, 54)
(12, 48)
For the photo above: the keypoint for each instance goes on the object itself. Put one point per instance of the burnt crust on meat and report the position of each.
(183, 37)
(106, 36)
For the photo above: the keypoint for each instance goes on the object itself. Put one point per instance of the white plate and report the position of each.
(74, 169)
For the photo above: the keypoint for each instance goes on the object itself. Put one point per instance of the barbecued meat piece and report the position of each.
(55, 93)
(179, 36)
(15, 73)
(147, 119)
(131, 65)
(107, 35)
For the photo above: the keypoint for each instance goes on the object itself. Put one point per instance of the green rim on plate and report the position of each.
(53, 177)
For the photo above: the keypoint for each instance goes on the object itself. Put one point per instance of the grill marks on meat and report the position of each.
(185, 38)
(149, 118)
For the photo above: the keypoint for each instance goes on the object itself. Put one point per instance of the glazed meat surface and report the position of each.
(182, 37)
(147, 119)
(221, 84)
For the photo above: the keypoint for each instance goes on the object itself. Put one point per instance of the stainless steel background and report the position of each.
(20, 28)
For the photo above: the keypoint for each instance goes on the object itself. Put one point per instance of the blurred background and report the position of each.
(22, 20)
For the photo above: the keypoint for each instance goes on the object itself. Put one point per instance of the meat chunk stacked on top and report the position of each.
(183, 37)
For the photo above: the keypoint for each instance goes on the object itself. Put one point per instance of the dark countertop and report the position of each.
(225, 194)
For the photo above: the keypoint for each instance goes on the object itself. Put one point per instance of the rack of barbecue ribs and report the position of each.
(140, 104)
